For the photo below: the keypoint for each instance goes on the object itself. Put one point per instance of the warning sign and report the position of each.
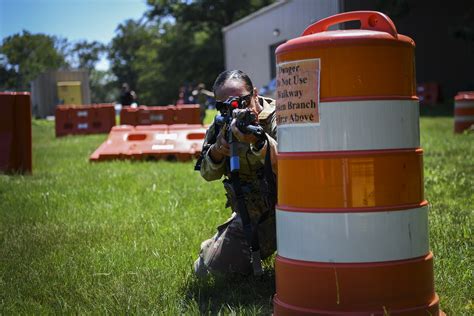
(298, 92)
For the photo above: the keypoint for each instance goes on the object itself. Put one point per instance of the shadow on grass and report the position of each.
(217, 295)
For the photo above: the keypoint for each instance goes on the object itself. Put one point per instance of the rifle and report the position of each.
(246, 123)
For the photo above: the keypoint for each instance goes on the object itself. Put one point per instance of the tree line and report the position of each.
(175, 42)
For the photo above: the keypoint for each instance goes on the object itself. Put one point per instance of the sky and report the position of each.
(91, 20)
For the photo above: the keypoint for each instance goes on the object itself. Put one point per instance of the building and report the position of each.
(250, 43)
(52, 88)
(443, 35)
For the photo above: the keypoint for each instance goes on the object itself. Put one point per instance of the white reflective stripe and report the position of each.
(353, 237)
(82, 113)
(465, 118)
(156, 117)
(162, 147)
(463, 105)
(355, 125)
(82, 126)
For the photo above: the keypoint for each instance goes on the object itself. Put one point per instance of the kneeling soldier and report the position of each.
(248, 163)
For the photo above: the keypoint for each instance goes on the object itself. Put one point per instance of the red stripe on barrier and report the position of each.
(330, 154)
(400, 207)
(464, 111)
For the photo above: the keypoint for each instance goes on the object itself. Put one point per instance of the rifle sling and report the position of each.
(250, 234)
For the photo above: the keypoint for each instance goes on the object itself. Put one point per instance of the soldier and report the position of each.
(228, 251)
(201, 96)
(127, 96)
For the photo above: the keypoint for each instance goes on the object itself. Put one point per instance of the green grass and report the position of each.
(120, 237)
(210, 114)
(449, 187)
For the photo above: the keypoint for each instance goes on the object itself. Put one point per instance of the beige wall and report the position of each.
(44, 96)
(247, 42)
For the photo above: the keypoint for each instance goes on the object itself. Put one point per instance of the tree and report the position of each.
(85, 55)
(103, 86)
(216, 13)
(131, 37)
(177, 42)
(24, 56)
(176, 57)
(193, 49)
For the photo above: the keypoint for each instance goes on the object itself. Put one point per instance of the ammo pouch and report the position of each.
(262, 220)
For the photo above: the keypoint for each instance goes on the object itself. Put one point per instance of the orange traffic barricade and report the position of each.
(160, 115)
(85, 119)
(187, 114)
(15, 132)
(170, 114)
(129, 116)
(352, 220)
(181, 142)
(147, 115)
(104, 119)
(463, 111)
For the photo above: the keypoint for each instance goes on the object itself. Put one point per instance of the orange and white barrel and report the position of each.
(352, 221)
(463, 111)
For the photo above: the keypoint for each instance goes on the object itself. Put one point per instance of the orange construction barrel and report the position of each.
(463, 111)
(352, 221)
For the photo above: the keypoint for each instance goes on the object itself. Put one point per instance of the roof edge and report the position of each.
(254, 15)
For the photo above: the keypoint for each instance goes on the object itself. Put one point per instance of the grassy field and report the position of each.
(120, 237)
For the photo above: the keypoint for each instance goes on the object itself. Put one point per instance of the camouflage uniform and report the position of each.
(228, 250)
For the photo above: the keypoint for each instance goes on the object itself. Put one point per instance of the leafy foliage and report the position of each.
(131, 37)
(103, 86)
(85, 55)
(24, 56)
(178, 42)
